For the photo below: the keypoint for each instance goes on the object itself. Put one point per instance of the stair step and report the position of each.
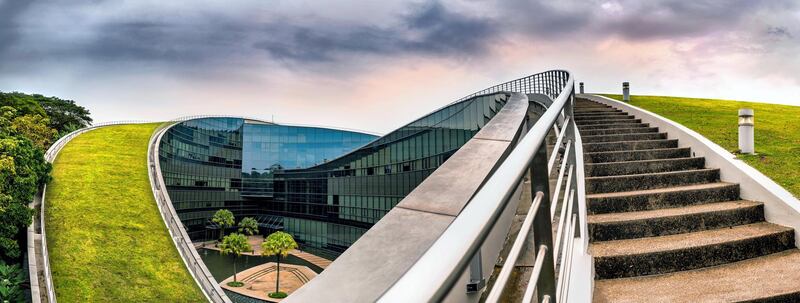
(596, 110)
(623, 137)
(611, 126)
(666, 254)
(608, 121)
(636, 155)
(626, 183)
(662, 197)
(599, 114)
(643, 166)
(581, 118)
(629, 145)
(617, 131)
(662, 222)
(771, 278)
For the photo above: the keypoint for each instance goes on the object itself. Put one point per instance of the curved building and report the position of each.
(324, 186)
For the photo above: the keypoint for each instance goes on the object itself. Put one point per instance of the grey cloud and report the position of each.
(10, 13)
(198, 38)
(641, 20)
(429, 30)
(163, 41)
(779, 32)
(544, 20)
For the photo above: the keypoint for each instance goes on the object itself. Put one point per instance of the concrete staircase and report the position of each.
(664, 228)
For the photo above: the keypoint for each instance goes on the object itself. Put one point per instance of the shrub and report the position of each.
(278, 295)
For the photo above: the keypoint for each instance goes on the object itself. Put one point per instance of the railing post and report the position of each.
(542, 226)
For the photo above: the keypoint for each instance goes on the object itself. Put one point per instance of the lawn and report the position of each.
(777, 131)
(106, 238)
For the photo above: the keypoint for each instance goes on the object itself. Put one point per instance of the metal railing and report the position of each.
(177, 231)
(436, 272)
(50, 156)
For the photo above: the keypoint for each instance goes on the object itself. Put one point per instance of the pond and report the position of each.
(221, 267)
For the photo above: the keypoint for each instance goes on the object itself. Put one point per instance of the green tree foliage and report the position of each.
(11, 277)
(63, 115)
(25, 104)
(278, 244)
(223, 218)
(22, 171)
(248, 226)
(34, 128)
(234, 244)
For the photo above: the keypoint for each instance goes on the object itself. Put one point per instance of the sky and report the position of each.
(377, 65)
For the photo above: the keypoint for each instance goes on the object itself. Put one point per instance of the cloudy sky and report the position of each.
(375, 65)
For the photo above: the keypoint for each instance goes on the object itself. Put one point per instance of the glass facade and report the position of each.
(326, 187)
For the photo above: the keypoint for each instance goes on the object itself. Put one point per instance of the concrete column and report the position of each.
(746, 131)
(626, 91)
(581, 89)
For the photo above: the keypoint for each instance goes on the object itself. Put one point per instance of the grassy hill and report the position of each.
(106, 238)
(777, 130)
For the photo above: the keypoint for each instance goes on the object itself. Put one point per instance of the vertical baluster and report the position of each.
(542, 226)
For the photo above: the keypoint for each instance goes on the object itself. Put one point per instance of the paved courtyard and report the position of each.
(260, 280)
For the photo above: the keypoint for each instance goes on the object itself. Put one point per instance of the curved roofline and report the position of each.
(196, 117)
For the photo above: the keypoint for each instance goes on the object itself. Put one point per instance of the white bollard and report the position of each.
(626, 91)
(746, 131)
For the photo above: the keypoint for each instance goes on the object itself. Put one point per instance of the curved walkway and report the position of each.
(106, 240)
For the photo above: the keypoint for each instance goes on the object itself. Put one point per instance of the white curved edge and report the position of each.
(780, 206)
(180, 238)
(580, 287)
(33, 269)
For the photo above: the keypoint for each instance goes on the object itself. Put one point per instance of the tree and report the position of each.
(248, 226)
(278, 244)
(11, 278)
(65, 115)
(234, 244)
(223, 218)
(24, 103)
(23, 171)
(35, 128)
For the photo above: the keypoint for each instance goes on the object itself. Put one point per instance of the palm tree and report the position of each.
(278, 244)
(223, 218)
(248, 226)
(234, 244)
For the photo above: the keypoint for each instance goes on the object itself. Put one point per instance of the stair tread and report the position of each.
(636, 150)
(635, 162)
(647, 245)
(674, 172)
(660, 190)
(757, 278)
(656, 140)
(622, 134)
(670, 212)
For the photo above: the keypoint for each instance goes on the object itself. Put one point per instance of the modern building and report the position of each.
(324, 186)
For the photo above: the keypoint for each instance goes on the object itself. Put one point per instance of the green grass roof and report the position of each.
(106, 238)
(777, 131)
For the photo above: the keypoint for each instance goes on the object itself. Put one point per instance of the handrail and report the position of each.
(434, 274)
(197, 268)
(50, 156)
